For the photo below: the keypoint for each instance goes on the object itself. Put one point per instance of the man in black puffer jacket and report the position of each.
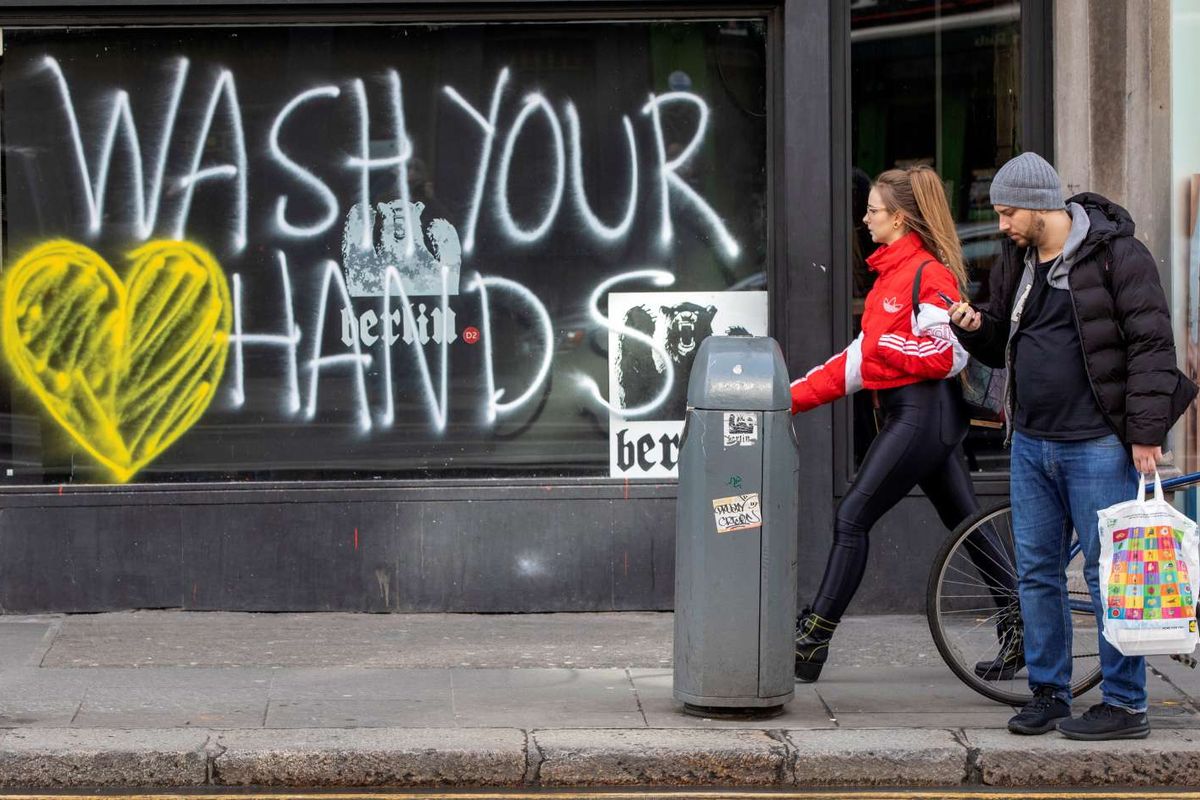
(1078, 316)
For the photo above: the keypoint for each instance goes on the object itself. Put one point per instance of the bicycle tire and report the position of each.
(936, 615)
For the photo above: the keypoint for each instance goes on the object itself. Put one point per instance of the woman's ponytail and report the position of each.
(939, 234)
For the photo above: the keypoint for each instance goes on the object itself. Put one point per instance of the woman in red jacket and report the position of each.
(909, 357)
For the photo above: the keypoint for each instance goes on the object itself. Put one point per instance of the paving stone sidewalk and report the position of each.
(174, 699)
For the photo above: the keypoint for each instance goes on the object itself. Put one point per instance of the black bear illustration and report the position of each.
(639, 377)
(688, 325)
(640, 374)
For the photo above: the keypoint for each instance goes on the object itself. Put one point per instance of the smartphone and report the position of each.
(950, 301)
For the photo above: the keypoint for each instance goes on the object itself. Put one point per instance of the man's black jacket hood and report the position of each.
(1109, 221)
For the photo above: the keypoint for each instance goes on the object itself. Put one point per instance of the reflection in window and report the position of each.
(936, 83)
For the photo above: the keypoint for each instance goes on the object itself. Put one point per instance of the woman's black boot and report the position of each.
(1011, 656)
(813, 633)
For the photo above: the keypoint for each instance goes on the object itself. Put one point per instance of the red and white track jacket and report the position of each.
(897, 346)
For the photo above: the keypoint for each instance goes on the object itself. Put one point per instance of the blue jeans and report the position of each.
(1056, 485)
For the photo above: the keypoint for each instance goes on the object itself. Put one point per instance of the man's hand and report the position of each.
(965, 317)
(1146, 458)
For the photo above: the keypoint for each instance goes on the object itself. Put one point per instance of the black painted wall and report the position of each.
(255, 550)
(347, 550)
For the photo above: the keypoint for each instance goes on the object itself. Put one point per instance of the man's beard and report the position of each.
(1036, 231)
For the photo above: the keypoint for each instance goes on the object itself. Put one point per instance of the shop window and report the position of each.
(358, 251)
(934, 82)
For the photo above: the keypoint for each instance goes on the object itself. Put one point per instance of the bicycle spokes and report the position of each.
(975, 613)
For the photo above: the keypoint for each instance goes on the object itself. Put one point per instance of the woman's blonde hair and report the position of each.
(919, 193)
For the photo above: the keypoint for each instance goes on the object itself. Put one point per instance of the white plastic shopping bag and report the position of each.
(1149, 575)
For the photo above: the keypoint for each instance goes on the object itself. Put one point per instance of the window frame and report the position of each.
(1037, 134)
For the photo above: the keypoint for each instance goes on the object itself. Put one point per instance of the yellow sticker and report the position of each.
(737, 513)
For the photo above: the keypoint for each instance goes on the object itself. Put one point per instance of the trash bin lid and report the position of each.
(739, 373)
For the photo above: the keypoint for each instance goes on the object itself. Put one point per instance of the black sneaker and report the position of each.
(1102, 722)
(1041, 714)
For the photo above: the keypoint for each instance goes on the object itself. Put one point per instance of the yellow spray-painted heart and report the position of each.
(124, 367)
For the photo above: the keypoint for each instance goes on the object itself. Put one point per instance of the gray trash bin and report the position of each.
(736, 529)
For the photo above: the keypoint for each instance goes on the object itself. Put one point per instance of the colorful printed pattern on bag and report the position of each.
(1149, 581)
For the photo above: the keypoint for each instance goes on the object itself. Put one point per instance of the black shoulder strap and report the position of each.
(916, 298)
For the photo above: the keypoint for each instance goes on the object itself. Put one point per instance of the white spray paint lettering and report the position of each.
(147, 176)
(667, 172)
(438, 405)
(238, 172)
(318, 362)
(533, 103)
(485, 154)
(494, 407)
(147, 195)
(602, 231)
(660, 278)
(302, 175)
(121, 120)
(287, 340)
(365, 163)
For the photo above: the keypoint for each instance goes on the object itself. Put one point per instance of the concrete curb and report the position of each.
(42, 758)
(670, 757)
(75, 757)
(1166, 758)
(878, 758)
(371, 757)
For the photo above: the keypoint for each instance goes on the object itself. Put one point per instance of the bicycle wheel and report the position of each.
(972, 607)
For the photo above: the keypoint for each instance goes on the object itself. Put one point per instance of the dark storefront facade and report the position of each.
(390, 306)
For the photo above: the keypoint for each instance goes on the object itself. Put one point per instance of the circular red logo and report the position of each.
(471, 335)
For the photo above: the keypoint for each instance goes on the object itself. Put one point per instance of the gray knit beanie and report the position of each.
(1027, 181)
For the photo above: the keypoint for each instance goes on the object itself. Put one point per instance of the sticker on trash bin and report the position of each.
(737, 513)
(741, 428)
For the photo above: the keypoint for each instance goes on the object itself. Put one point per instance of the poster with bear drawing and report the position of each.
(652, 342)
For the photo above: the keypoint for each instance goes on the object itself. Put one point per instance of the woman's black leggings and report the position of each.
(920, 444)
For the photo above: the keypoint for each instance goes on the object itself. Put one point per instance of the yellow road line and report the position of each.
(645, 794)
